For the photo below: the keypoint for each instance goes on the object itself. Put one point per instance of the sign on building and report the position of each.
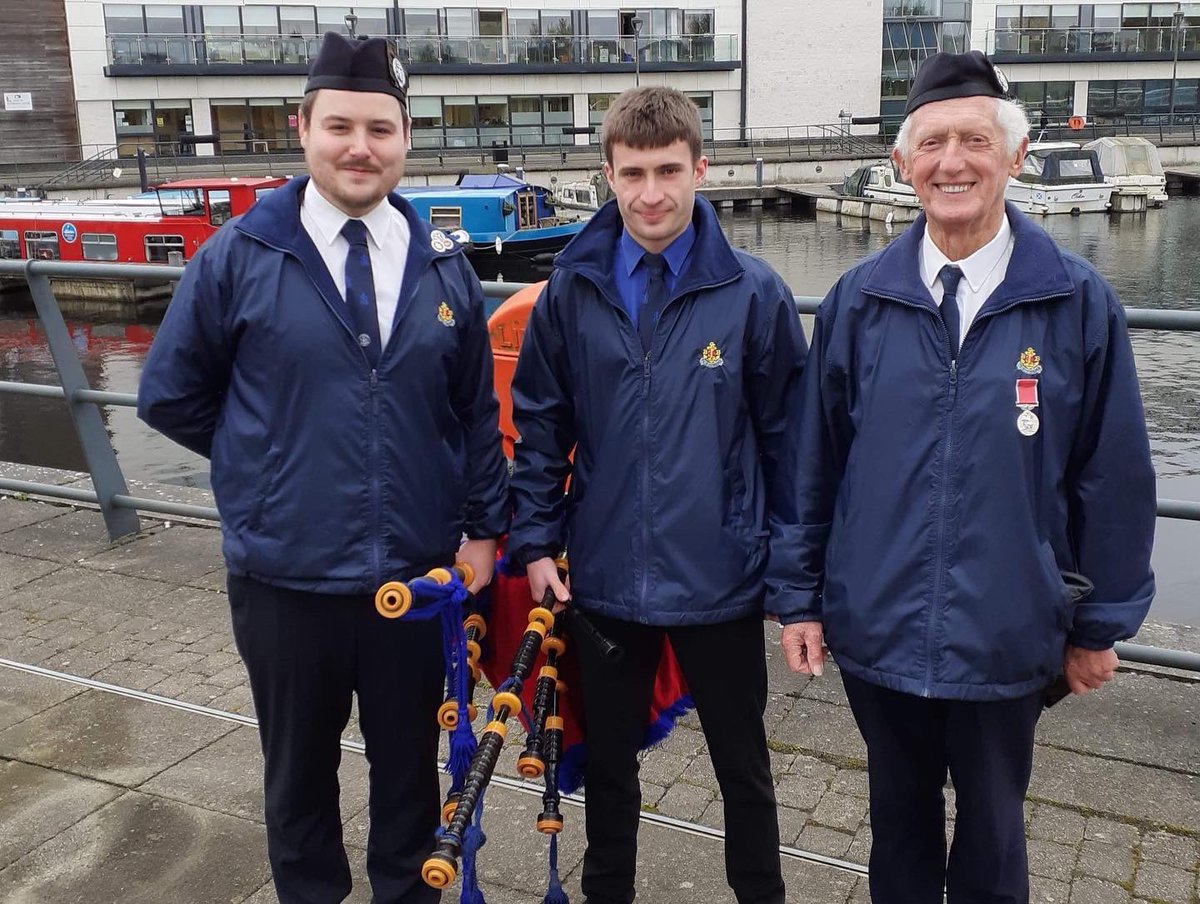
(18, 100)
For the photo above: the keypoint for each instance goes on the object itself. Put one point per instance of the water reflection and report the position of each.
(1151, 259)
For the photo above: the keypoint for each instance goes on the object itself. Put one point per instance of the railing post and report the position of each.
(89, 427)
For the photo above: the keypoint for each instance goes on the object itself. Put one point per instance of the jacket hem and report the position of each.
(671, 619)
(940, 690)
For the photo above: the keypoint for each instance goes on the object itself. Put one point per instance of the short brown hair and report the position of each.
(651, 117)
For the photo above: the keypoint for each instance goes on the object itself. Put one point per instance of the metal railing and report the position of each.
(120, 509)
(1081, 41)
(471, 50)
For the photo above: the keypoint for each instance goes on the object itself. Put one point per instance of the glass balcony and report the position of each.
(544, 50)
(1155, 40)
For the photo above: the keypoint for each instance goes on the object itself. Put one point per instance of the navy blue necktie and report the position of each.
(950, 276)
(655, 300)
(360, 290)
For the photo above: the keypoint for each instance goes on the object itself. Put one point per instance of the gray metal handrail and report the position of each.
(120, 509)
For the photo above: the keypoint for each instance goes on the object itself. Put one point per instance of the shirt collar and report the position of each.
(329, 220)
(675, 253)
(975, 268)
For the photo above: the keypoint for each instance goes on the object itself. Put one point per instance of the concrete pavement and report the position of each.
(111, 798)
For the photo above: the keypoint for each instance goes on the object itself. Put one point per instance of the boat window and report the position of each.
(99, 246)
(446, 217)
(159, 248)
(260, 193)
(1033, 165)
(220, 208)
(10, 245)
(42, 246)
(1075, 168)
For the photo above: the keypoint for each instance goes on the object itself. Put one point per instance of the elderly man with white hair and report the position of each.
(973, 459)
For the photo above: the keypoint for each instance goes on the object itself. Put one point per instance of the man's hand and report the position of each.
(804, 647)
(1086, 670)
(481, 556)
(543, 573)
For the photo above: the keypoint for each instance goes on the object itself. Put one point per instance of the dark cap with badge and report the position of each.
(367, 64)
(948, 75)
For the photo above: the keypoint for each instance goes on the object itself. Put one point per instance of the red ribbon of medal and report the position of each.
(1027, 393)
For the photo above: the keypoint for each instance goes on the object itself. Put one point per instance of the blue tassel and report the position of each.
(657, 731)
(473, 840)
(462, 749)
(554, 891)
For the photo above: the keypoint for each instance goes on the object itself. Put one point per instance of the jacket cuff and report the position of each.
(533, 553)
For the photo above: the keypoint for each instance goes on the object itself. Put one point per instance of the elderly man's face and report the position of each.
(958, 165)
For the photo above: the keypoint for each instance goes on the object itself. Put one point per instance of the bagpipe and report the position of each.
(502, 635)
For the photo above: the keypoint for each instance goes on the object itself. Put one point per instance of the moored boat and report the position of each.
(1133, 165)
(1060, 177)
(512, 224)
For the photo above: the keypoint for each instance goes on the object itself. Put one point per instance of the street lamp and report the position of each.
(637, 53)
(1176, 27)
(351, 23)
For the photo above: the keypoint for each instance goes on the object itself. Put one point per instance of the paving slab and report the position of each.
(98, 735)
(23, 695)
(18, 570)
(1154, 796)
(70, 537)
(1147, 719)
(39, 804)
(17, 513)
(176, 554)
(142, 849)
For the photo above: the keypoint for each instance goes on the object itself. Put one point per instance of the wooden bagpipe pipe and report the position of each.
(502, 635)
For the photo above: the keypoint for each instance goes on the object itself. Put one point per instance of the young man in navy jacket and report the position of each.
(972, 440)
(328, 351)
(668, 363)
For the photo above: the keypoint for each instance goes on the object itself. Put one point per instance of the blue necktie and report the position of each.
(655, 300)
(360, 290)
(950, 276)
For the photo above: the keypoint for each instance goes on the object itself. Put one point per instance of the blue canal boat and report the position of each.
(512, 224)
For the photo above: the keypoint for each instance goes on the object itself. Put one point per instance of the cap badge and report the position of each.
(440, 242)
(399, 78)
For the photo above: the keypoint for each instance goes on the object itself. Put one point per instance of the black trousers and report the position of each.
(307, 654)
(988, 750)
(725, 667)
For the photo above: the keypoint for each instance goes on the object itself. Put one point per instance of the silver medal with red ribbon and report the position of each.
(1027, 400)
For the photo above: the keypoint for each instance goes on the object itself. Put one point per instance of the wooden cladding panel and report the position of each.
(35, 58)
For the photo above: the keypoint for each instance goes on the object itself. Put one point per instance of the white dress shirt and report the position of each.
(983, 272)
(387, 244)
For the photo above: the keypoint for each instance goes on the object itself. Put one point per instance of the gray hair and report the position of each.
(1010, 117)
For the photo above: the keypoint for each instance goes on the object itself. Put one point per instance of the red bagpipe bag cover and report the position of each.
(507, 621)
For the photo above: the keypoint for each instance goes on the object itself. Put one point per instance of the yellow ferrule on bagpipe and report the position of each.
(548, 671)
(506, 698)
(554, 723)
(554, 645)
(497, 727)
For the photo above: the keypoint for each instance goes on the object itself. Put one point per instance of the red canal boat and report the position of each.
(164, 226)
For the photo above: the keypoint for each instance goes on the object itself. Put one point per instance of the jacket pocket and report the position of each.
(263, 485)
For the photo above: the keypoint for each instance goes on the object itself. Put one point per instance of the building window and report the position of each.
(598, 105)
(155, 127)
(426, 113)
(10, 245)
(446, 217)
(1054, 99)
(42, 246)
(99, 246)
(704, 102)
(159, 248)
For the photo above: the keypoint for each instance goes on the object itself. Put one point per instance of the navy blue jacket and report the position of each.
(678, 481)
(330, 476)
(935, 532)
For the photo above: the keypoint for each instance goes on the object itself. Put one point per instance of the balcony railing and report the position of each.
(1089, 41)
(545, 50)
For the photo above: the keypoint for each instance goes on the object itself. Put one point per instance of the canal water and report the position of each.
(1152, 259)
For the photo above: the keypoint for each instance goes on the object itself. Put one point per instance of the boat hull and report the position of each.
(1043, 200)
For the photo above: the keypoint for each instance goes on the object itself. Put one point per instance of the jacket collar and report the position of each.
(592, 253)
(275, 220)
(1036, 271)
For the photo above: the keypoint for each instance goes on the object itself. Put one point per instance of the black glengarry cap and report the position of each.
(368, 64)
(947, 75)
